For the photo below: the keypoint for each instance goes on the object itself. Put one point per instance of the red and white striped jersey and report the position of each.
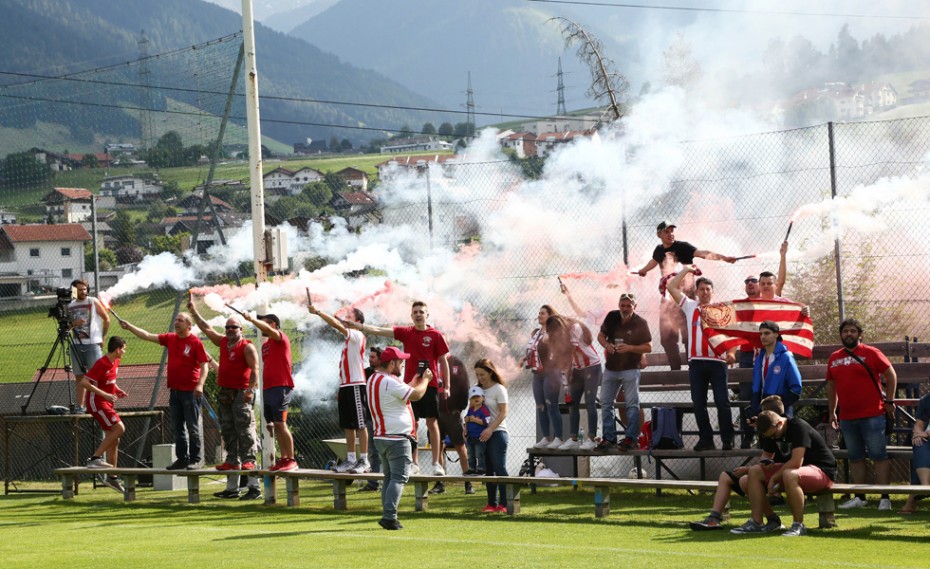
(583, 355)
(533, 361)
(352, 361)
(389, 403)
(698, 346)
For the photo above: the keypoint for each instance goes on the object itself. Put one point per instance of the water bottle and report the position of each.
(580, 434)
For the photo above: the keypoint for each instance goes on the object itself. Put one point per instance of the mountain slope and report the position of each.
(95, 33)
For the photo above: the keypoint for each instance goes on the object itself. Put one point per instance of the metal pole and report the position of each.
(837, 255)
(258, 215)
(93, 231)
(429, 207)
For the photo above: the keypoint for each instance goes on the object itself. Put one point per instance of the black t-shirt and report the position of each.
(681, 252)
(635, 331)
(800, 434)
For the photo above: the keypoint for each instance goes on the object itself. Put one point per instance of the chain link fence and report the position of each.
(482, 240)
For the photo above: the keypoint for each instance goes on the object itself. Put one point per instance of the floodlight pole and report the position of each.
(258, 218)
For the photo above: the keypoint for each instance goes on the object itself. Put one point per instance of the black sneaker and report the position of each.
(605, 445)
(627, 444)
(709, 523)
(439, 488)
(227, 494)
(470, 472)
(369, 488)
(468, 488)
(389, 524)
(179, 464)
(252, 494)
(704, 446)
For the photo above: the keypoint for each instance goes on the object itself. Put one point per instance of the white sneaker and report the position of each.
(884, 505)
(98, 463)
(345, 466)
(542, 443)
(569, 444)
(414, 469)
(588, 444)
(855, 502)
(361, 467)
(438, 470)
(554, 443)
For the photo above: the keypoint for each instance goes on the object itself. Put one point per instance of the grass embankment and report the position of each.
(556, 528)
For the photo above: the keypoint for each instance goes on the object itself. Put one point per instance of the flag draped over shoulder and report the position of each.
(730, 324)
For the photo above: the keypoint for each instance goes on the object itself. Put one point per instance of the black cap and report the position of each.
(272, 317)
(664, 225)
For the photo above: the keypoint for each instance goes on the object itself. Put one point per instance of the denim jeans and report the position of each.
(546, 389)
(396, 459)
(745, 360)
(497, 465)
(702, 372)
(628, 380)
(477, 452)
(584, 381)
(185, 419)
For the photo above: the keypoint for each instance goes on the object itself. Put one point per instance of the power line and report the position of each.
(731, 10)
(74, 79)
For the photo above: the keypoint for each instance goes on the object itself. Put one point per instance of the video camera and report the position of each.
(60, 311)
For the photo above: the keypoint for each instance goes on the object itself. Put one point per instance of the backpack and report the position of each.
(665, 434)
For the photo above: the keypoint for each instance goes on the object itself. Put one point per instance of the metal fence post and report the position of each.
(837, 255)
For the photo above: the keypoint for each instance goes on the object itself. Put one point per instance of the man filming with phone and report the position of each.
(428, 348)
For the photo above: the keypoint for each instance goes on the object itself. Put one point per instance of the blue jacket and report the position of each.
(783, 378)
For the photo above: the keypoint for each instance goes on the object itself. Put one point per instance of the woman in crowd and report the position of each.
(495, 435)
(547, 383)
(570, 347)
(920, 442)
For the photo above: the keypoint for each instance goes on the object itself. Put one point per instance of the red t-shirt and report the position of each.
(427, 344)
(856, 392)
(234, 369)
(185, 355)
(103, 374)
(276, 355)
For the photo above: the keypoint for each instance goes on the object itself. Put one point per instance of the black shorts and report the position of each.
(451, 425)
(735, 480)
(428, 406)
(353, 407)
(275, 401)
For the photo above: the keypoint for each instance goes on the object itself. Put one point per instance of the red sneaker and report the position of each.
(489, 509)
(248, 465)
(501, 509)
(288, 464)
(277, 466)
(227, 466)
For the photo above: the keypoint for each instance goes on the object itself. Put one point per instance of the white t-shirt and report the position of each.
(493, 397)
(389, 403)
(352, 362)
(92, 330)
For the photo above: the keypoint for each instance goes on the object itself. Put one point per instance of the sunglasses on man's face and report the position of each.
(628, 296)
(232, 327)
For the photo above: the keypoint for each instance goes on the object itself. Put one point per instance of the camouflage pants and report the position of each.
(237, 425)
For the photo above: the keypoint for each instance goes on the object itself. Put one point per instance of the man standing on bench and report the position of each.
(667, 254)
(625, 337)
(853, 375)
(810, 469)
(704, 366)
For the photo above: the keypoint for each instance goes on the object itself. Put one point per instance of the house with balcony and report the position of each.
(37, 256)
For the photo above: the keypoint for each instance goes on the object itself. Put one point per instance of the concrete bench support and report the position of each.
(512, 491)
(601, 501)
(826, 508)
(421, 492)
(193, 489)
(339, 494)
(293, 491)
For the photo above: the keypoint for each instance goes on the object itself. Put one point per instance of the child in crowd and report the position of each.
(101, 394)
(477, 420)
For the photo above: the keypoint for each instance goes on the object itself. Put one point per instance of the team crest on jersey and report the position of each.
(187, 350)
(717, 315)
(776, 369)
(427, 341)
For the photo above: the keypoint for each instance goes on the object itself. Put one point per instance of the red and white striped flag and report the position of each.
(730, 324)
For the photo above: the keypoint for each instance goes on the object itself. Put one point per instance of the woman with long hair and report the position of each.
(547, 383)
(570, 347)
(495, 434)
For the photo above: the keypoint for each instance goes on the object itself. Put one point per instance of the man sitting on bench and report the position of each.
(810, 469)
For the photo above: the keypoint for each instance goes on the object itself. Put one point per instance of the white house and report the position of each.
(287, 181)
(355, 178)
(69, 205)
(7, 217)
(418, 144)
(130, 186)
(561, 124)
(547, 142)
(522, 143)
(40, 256)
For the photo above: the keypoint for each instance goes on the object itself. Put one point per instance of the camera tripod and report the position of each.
(65, 343)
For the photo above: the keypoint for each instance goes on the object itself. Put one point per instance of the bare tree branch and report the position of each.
(606, 82)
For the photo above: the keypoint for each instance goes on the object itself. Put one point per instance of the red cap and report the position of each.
(392, 353)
